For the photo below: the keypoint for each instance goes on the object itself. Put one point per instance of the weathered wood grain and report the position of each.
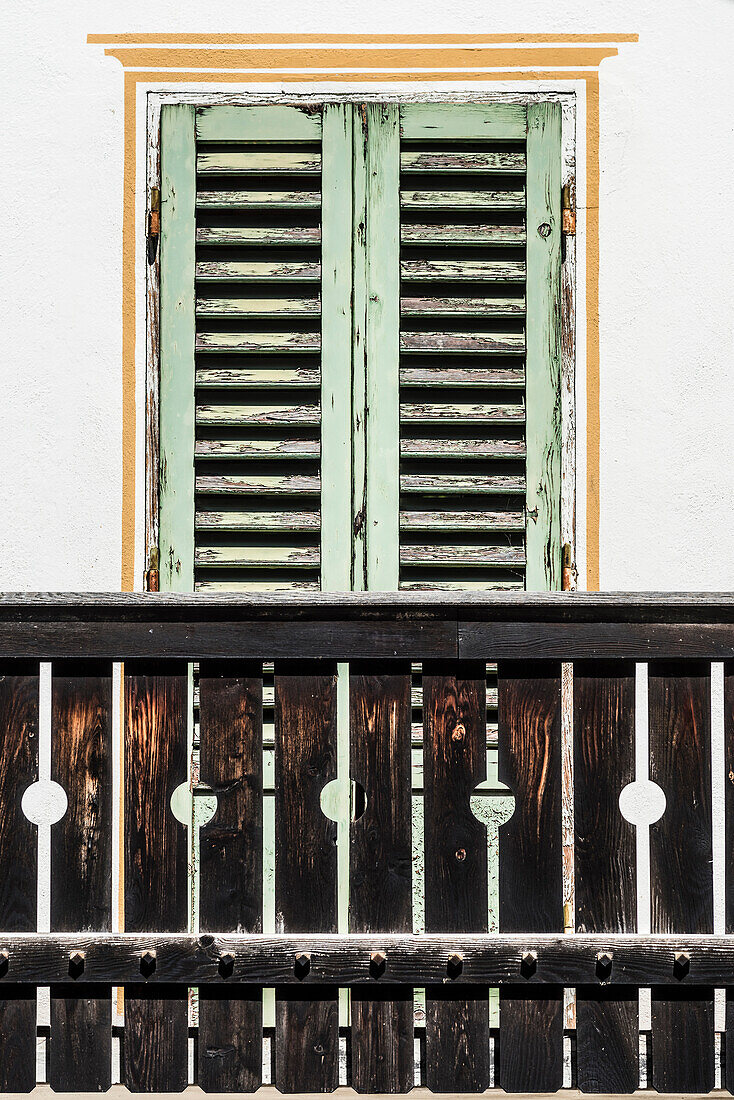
(230, 867)
(729, 844)
(530, 866)
(681, 864)
(454, 762)
(607, 1037)
(380, 868)
(81, 867)
(307, 1026)
(156, 1021)
(18, 864)
(489, 959)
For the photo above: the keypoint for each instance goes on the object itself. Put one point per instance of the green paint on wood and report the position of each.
(463, 121)
(177, 338)
(274, 122)
(336, 344)
(382, 278)
(543, 362)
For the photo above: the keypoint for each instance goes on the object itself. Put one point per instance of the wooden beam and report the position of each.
(487, 959)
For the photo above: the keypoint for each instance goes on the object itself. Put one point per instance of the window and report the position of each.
(360, 346)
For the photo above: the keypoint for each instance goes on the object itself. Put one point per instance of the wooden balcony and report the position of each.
(356, 692)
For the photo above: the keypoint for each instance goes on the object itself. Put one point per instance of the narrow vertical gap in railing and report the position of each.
(18, 864)
(729, 862)
(531, 868)
(80, 1042)
(607, 1035)
(682, 1033)
(230, 868)
(454, 756)
(306, 1017)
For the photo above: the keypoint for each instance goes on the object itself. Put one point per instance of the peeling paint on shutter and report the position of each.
(463, 347)
(258, 349)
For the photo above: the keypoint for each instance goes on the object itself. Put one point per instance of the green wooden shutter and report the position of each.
(360, 363)
(480, 346)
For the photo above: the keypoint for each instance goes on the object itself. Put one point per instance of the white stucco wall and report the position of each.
(666, 281)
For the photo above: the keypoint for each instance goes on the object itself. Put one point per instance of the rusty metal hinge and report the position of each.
(569, 573)
(152, 576)
(568, 209)
(154, 223)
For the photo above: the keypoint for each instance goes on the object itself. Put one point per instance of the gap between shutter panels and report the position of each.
(462, 364)
(258, 339)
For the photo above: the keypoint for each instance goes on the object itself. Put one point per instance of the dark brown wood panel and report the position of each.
(380, 869)
(231, 870)
(81, 867)
(681, 857)
(530, 871)
(18, 864)
(454, 762)
(307, 1024)
(729, 866)
(607, 1022)
(156, 894)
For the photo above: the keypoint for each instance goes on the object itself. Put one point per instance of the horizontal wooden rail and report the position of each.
(347, 960)
(349, 626)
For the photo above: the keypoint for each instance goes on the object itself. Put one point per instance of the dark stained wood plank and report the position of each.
(307, 1022)
(18, 864)
(607, 1021)
(681, 875)
(454, 762)
(155, 1051)
(380, 869)
(530, 866)
(231, 870)
(489, 958)
(729, 842)
(80, 1056)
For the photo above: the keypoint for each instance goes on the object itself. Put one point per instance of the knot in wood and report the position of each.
(455, 964)
(458, 733)
(461, 854)
(603, 965)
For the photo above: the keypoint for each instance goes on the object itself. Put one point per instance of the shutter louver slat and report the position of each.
(462, 451)
(258, 344)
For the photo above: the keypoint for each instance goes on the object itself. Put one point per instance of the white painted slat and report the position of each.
(460, 484)
(258, 557)
(460, 556)
(258, 200)
(461, 413)
(459, 161)
(258, 162)
(480, 271)
(231, 235)
(257, 271)
(235, 378)
(462, 448)
(462, 520)
(257, 522)
(262, 342)
(488, 343)
(462, 306)
(257, 449)
(468, 235)
(463, 377)
(260, 484)
(417, 199)
(264, 416)
(248, 308)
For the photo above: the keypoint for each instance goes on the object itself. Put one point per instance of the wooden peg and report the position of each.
(681, 964)
(148, 962)
(378, 962)
(528, 963)
(76, 964)
(603, 965)
(455, 964)
(302, 964)
(226, 964)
